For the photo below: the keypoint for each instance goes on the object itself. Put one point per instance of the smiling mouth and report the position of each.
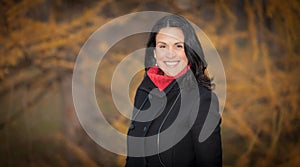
(171, 63)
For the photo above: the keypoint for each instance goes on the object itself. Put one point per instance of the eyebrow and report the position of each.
(166, 43)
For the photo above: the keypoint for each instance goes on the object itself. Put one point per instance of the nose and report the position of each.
(171, 53)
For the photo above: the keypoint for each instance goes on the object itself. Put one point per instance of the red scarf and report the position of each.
(160, 80)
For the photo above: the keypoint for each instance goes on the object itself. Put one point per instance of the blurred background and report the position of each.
(258, 42)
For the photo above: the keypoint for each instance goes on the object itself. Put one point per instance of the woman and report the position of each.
(173, 102)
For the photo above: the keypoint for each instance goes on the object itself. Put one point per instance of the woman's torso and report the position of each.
(171, 113)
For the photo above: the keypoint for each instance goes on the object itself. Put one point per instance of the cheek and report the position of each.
(184, 58)
(159, 57)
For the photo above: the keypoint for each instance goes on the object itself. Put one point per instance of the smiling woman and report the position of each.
(169, 52)
(175, 74)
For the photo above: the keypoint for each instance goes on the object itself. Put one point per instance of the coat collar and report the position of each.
(147, 85)
(160, 80)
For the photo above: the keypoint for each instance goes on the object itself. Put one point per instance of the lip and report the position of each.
(171, 64)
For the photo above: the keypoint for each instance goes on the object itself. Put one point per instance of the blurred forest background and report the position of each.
(258, 41)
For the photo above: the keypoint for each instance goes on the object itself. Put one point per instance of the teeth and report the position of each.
(171, 63)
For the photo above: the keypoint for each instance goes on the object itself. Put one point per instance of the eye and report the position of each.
(179, 46)
(161, 46)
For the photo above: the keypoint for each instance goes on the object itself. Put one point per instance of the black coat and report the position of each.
(152, 117)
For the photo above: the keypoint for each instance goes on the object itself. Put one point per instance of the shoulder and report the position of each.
(207, 104)
(146, 84)
(208, 118)
(203, 93)
(208, 100)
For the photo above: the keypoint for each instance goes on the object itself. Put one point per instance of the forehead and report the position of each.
(170, 34)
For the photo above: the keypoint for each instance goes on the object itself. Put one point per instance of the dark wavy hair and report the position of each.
(192, 47)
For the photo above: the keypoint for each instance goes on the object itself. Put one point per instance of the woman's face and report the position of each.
(169, 52)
